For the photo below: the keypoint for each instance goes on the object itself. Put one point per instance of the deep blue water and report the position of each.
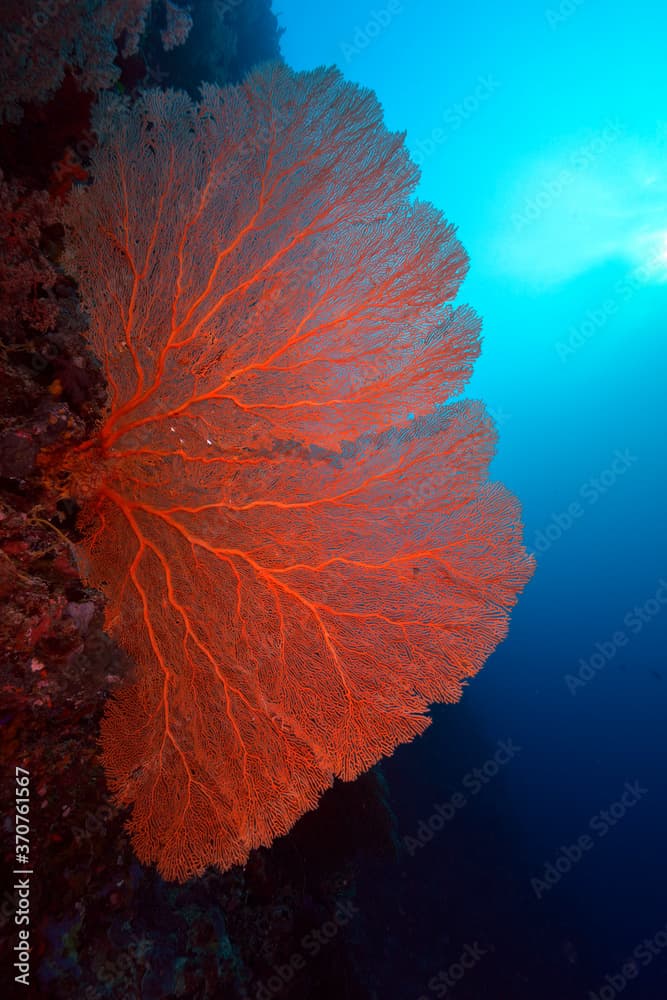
(529, 822)
(567, 271)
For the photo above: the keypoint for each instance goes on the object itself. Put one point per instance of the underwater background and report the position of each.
(517, 849)
(541, 133)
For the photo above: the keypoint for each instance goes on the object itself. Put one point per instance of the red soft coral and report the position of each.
(298, 546)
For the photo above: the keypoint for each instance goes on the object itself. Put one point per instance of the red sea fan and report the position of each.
(298, 546)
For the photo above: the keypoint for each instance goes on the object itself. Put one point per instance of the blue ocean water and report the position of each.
(541, 130)
(516, 849)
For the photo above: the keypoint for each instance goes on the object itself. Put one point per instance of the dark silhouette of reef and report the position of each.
(226, 40)
(103, 925)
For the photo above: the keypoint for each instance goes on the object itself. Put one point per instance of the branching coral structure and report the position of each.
(41, 40)
(297, 541)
